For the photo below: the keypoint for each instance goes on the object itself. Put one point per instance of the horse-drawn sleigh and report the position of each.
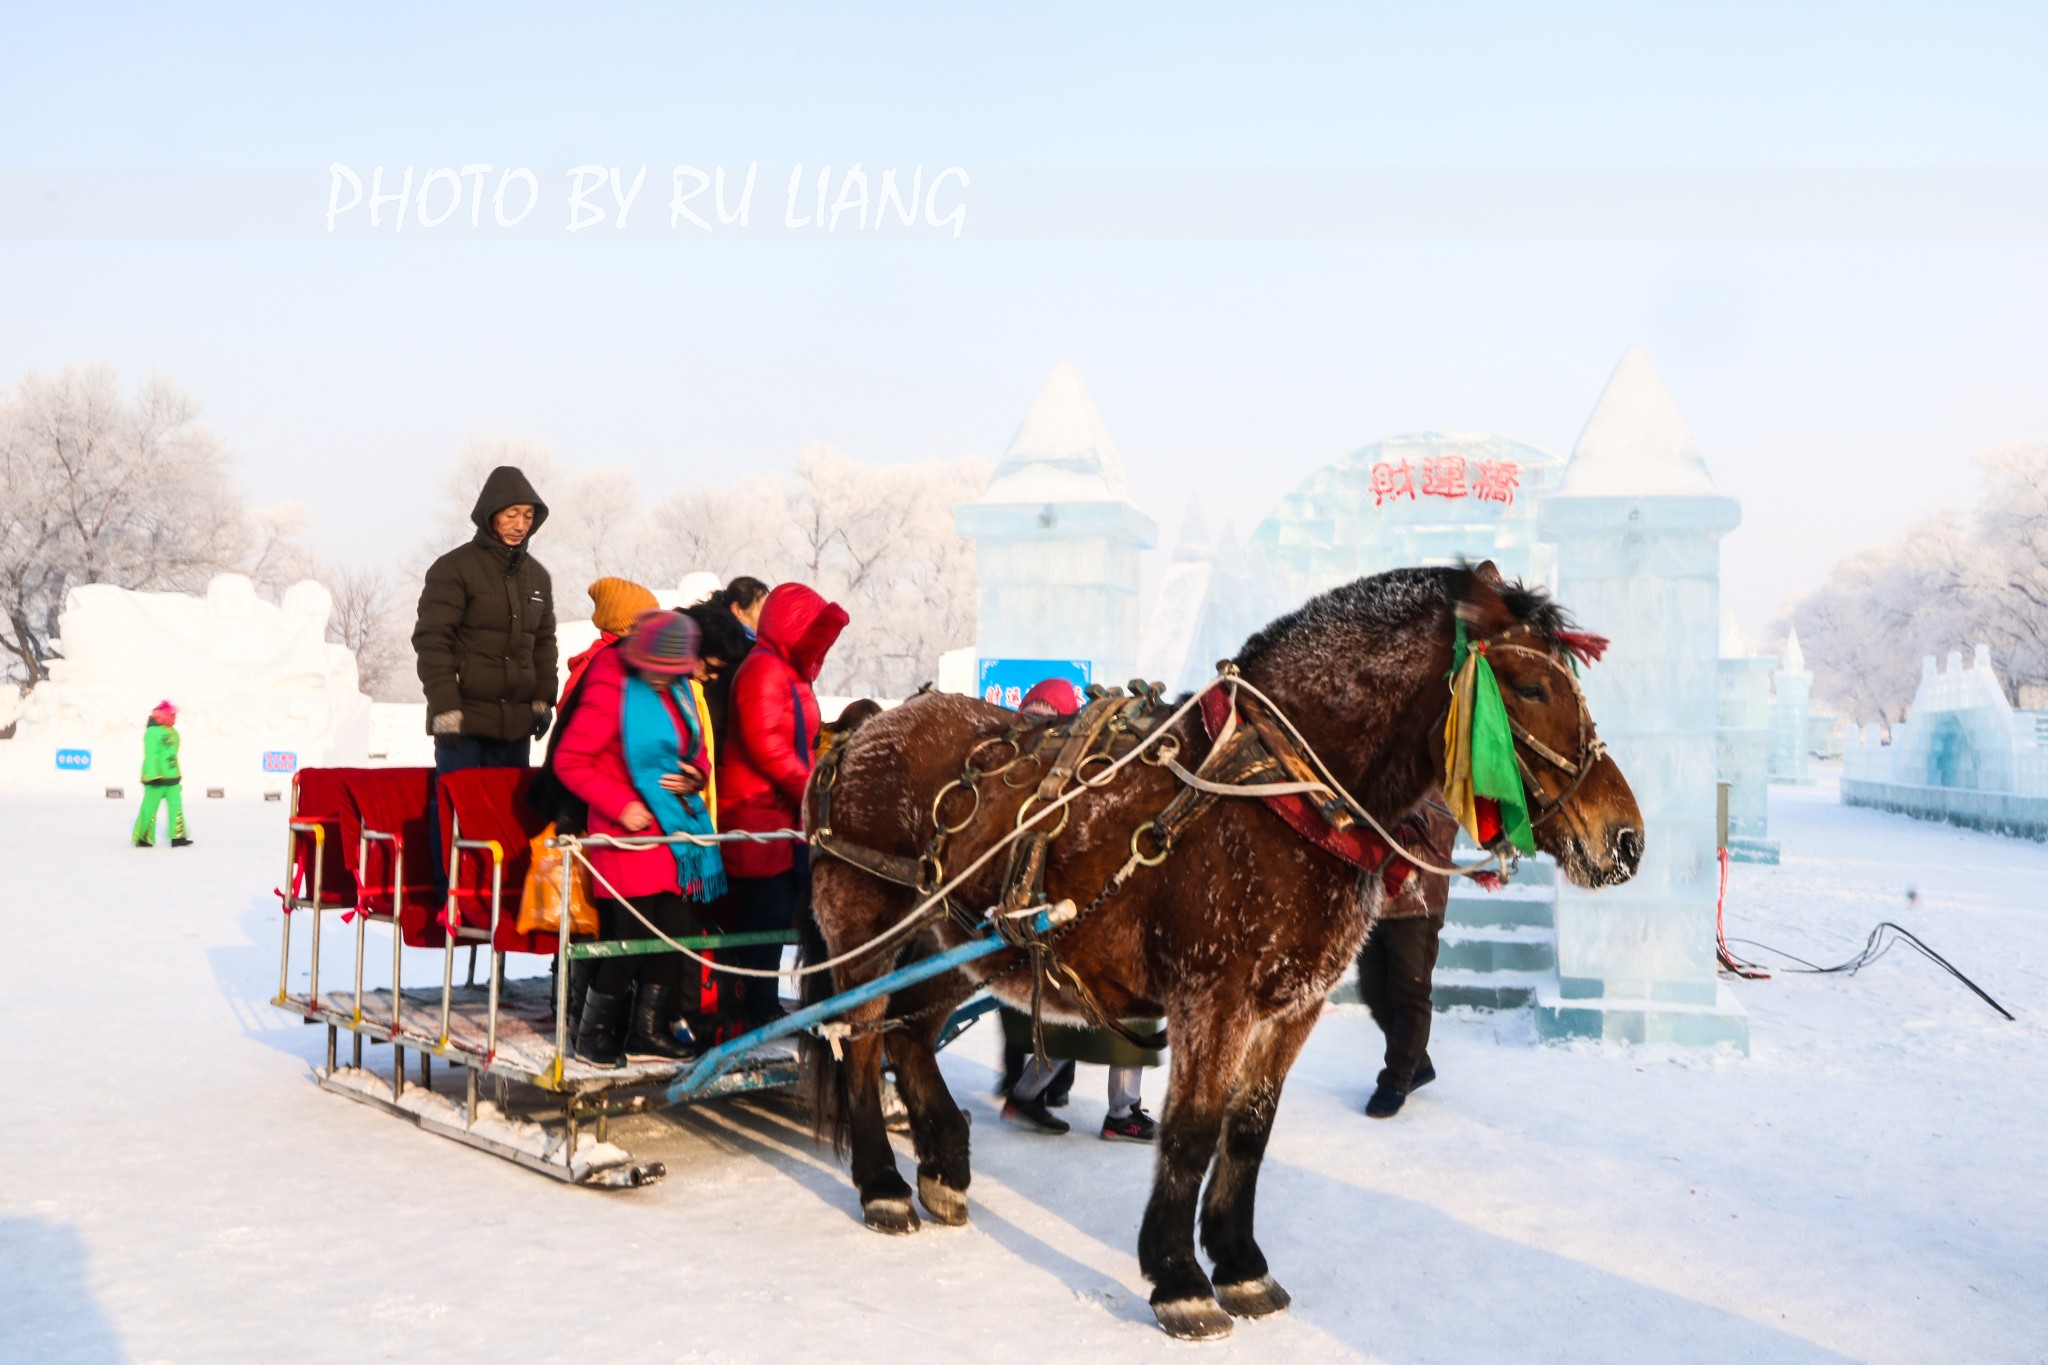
(1214, 861)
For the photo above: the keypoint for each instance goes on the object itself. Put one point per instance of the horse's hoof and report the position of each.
(892, 1216)
(1253, 1298)
(944, 1203)
(1193, 1319)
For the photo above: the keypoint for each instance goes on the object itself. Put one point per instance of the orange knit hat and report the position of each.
(617, 602)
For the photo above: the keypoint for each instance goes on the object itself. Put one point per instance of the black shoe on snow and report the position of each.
(1033, 1114)
(1385, 1102)
(650, 1036)
(1424, 1074)
(1060, 1088)
(600, 1033)
(1136, 1126)
(144, 843)
(181, 843)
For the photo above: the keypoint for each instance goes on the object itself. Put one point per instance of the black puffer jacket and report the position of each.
(486, 630)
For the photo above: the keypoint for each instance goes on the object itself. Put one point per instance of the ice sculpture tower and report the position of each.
(1744, 744)
(1056, 541)
(1791, 706)
(1637, 524)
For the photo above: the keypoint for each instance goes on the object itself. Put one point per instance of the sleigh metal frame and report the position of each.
(515, 1033)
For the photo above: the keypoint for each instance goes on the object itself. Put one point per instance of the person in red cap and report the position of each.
(638, 752)
(771, 727)
(162, 782)
(1034, 1086)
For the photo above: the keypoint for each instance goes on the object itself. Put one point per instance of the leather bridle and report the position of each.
(1590, 750)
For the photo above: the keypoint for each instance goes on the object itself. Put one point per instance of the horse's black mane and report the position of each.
(1395, 599)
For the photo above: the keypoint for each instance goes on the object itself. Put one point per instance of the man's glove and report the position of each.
(543, 717)
(447, 723)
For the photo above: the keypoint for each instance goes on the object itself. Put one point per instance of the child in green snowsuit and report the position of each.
(162, 783)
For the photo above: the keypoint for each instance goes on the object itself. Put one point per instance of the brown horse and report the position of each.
(1235, 937)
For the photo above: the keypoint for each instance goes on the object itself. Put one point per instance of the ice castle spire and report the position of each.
(1636, 444)
(1793, 660)
(1195, 543)
(1062, 451)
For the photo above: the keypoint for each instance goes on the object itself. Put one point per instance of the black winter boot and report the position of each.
(650, 1036)
(600, 1032)
(580, 971)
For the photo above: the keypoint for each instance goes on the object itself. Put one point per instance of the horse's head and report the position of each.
(1581, 810)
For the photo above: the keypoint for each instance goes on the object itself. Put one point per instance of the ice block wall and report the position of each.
(1057, 540)
(1637, 523)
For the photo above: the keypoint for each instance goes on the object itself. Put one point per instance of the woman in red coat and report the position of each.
(771, 725)
(638, 751)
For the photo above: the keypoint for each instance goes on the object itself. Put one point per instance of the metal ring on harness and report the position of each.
(1037, 762)
(972, 810)
(1165, 844)
(1101, 779)
(1164, 754)
(1016, 752)
(930, 873)
(1025, 809)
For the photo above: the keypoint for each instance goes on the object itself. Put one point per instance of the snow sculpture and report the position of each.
(1791, 714)
(1207, 606)
(1056, 540)
(1638, 524)
(260, 691)
(1743, 744)
(1431, 498)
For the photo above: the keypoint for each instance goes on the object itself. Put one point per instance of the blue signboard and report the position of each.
(1005, 681)
(74, 760)
(280, 761)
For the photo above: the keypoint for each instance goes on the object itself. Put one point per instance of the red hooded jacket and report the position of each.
(772, 724)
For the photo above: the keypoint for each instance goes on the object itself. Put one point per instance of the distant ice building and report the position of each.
(1965, 755)
(1792, 739)
(1209, 603)
(1430, 498)
(1056, 548)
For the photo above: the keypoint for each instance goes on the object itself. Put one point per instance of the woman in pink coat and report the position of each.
(638, 752)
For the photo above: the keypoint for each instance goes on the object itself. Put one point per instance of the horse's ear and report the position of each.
(1482, 604)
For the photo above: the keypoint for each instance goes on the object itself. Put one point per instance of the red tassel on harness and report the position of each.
(1583, 645)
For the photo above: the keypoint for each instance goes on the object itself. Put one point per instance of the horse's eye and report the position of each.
(1530, 692)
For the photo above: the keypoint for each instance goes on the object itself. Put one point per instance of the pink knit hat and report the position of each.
(163, 713)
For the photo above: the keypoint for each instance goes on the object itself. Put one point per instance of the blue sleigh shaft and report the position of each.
(714, 1063)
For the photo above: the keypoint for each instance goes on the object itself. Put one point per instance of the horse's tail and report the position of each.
(824, 1077)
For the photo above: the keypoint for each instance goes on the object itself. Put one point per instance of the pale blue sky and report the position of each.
(1837, 388)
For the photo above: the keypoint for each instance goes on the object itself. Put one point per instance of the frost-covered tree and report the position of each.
(373, 618)
(1946, 584)
(101, 487)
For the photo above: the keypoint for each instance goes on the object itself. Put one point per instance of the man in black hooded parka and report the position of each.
(485, 637)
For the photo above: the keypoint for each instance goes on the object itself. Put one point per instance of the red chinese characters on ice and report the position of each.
(1447, 476)
(1392, 481)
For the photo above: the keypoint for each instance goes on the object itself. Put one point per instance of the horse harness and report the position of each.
(1249, 747)
(1590, 750)
(1074, 750)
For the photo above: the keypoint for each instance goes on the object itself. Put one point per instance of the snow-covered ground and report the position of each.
(1870, 1184)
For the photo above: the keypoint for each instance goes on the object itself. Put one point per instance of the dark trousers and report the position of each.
(675, 917)
(1394, 969)
(761, 903)
(459, 753)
